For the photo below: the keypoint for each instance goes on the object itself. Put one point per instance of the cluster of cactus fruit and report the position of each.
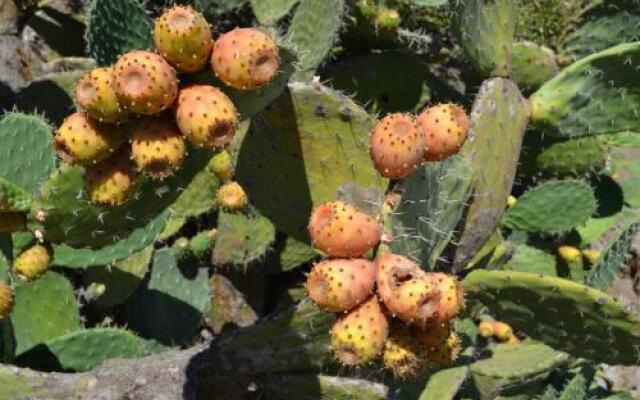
(437, 233)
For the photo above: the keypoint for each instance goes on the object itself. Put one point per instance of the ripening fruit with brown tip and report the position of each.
(84, 141)
(111, 182)
(6, 300)
(183, 37)
(206, 116)
(358, 336)
(450, 299)
(502, 331)
(245, 58)
(445, 128)
(32, 262)
(338, 229)
(157, 147)
(232, 197)
(341, 284)
(145, 83)
(96, 96)
(397, 146)
(405, 290)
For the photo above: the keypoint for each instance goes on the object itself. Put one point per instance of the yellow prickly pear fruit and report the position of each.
(403, 353)
(222, 166)
(157, 147)
(96, 96)
(503, 332)
(231, 196)
(451, 297)
(6, 300)
(513, 340)
(569, 254)
(358, 337)
(511, 201)
(339, 285)
(447, 352)
(485, 329)
(592, 255)
(112, 181)
(32, 262)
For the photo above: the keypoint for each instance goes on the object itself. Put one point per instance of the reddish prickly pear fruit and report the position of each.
(144, 82)
(358, 337)
(157, 147)
(6, 300)
(183, 37)
(442, 344)
(96, 96)
(340, 230)
(339, 285)
(403, 353)
(82, 140)
(112, 181)
(12, 222)
(245, 58)
(32, 262)
(232, 197)
(451, 297)
(405, 290)
(206, 116)
(445, 129)
(397, 146)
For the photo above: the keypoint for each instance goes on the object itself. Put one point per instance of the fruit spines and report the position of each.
(339, 230)
(32, 262)
(397, 145)
(404, 354)
(84, 141)
(183, 37)
(245, 58)
(232, 197)
(6, 300)
(358, 337)
(95, 94)
(111, 182)
(206, 116)
(341, 284)
(144, 82)
(445, 128)
(157, 147)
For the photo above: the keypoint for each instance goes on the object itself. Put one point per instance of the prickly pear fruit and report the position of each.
(503, 332)
(358, 337)
(96, 96)
(397, 146)
(82, 140)
(443, 344)
(183, 37)
(112, 181)
(592, 255)
(511, 201)
(569, 254)
(339, 284)
(157, 147)
(6, 300)
(403, 354)
(231, 196)
(222, 166)
(245, 58)
(485, 329)
(339, 230)
(32, 262)
(405, 290)
(12, 222)
(144, 82)
(445, 128)
(206, 116)
(451, 297)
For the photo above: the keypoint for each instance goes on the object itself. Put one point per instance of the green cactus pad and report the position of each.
(574, 157)
(13, 198)
(531, 259)
(84, 349)
(485, 30)
(598, 94)
(70, 218)
(314, 37)
(242, 238)
(318, 143)
(433, 201)
(289, 254)
(514, 365)
(322, 387)
(552, 207)
(45, 309)
(228, 306)
(169, 309)
(115, 27)
(568, 316)
(498, 121)
(533, 65)
(625, 170)
(212, 7)
(268, 12)
(444, 384)
(120, 279)
(198, 197)
(26, 155)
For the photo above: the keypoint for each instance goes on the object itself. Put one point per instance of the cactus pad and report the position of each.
(552, 207)
(533, 65)
(12, 197)
(444, 384)
(498, 121)
(241, 238)
(270, 11)
(568, 316)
